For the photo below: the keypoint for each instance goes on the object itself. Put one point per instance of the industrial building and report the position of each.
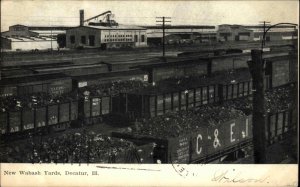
(102, 31)
(106, 37)
(234, 33)
(24, 38)
(104, 34)
(178, 34)
(280, 32)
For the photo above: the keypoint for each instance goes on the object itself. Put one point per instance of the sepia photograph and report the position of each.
(164, 87)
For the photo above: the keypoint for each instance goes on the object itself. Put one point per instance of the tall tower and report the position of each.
(81, 14)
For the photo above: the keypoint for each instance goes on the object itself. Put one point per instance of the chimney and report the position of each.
(81, 13)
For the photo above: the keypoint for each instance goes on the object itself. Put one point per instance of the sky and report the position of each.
(66, 12)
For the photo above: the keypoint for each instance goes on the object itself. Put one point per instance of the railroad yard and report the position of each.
(104, 92)
(191, 109)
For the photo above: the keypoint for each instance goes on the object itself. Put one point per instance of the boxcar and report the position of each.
(92, 109)
(3, 122)
(56, 116)
(54, 84)
(149, 104)
(208, 141)
(279, 124)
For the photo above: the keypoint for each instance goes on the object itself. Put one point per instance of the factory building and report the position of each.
(280, 32)
(120, 36)
(180, 34)
(104, 34)
(24, 38)
(234, 33)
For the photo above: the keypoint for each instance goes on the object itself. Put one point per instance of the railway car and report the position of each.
(92, 109)
(53, 84)
(150, 104)
(95, 79)
(210, 142)
(203, 143)
(280, 124)
(52, 117)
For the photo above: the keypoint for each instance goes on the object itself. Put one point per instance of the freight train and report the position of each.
(204, 141)
(179, 136)
(181, 94)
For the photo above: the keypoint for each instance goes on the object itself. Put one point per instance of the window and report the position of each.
(143, 38)
(135, 38)
(91, 40)
(83, 40)
(72, 39)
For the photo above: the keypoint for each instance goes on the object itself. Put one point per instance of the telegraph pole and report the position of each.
(163, 21)
(257, 72)
(263, 43)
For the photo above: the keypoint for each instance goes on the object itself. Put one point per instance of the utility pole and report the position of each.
(256, 66)
(163, 21)
(263, 43)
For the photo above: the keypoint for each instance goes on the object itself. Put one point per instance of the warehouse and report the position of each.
(26, 43)
(176, 34)
(94, 36)
(280, 32)
(234, 33)
(24, 38)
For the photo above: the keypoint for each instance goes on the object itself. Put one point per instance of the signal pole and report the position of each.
(163, 21)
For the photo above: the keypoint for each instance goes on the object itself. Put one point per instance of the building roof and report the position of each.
(28, 39)
(49, 32)
(119, 27)
(181, 27)
(33, 79)
(48, 28)
(173, 62)
(108, 75)
(229, 28)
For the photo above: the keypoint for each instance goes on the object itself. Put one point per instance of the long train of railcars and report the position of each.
(201, 144)
(92, 109)
(59, 115)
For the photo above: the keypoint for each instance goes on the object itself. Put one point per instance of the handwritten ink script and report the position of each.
(228, 176)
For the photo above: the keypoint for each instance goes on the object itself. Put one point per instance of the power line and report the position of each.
(163, 21)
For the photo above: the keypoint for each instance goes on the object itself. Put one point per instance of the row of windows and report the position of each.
(91, 40)
(118, 40)
(108, 36)
(135, 38)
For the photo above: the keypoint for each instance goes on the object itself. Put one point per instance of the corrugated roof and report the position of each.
(28, 39)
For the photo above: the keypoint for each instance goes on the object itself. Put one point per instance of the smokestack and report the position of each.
(81, 13)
